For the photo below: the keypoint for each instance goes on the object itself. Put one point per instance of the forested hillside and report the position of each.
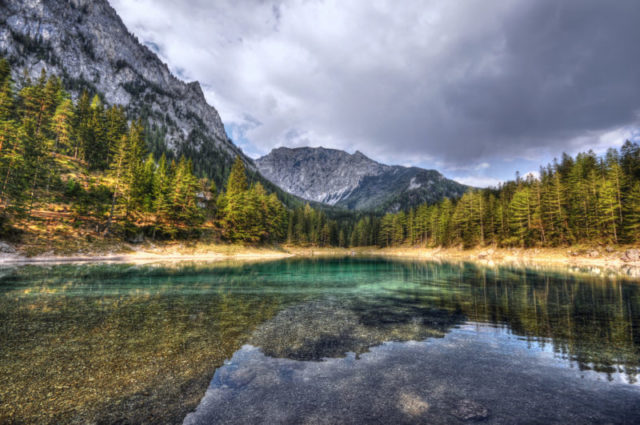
(583, 200)
(78, 169)
(586, 199)
(82, 166)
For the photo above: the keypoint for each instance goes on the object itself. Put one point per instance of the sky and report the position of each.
(476, 89)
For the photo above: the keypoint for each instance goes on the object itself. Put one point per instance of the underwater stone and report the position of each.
(468, 410)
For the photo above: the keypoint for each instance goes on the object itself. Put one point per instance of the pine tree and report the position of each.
(82, 115)
(385, 236)
(538, 226)
(184, 195)
(116, 127)
(95, 142)
(632, 214)
(34, 115)
(607, 206)
(237, 181)
(276, 218)
(146, 183)
(161, 204)
(13, 183)
(520, 215)
(553, 205)
(118, 168)
(7, 102)
(61, 125)
(133, 173)
(342, 239)
(325, 234)
(617, 178)
(301, 230)
(5, 70)
(443, 222)
(630, 160)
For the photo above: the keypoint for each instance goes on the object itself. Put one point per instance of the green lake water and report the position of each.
(324, 341)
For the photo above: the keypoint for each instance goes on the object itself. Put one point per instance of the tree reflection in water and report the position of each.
(114, 343)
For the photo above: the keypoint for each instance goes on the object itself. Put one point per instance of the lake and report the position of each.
(317, 341)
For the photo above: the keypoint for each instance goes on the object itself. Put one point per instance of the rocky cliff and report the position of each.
(354, 181)
(86, 43)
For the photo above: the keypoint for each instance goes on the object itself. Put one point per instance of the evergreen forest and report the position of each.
(86, 165)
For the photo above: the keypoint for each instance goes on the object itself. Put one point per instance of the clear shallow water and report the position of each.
(316, 341)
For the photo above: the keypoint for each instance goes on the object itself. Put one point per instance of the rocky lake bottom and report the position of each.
(318, 341)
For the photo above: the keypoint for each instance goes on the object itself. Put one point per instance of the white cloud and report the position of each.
(533, 173)
(479, 181)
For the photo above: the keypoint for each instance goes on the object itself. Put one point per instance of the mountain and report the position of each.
(86, 43)
(354, 181)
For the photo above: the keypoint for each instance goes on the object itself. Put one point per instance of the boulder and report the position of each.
(136, 239)
(5, 248)
(631, 255)
(468, 410)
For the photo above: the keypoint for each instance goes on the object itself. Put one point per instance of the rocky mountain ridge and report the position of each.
(354, 181)
(86, 43)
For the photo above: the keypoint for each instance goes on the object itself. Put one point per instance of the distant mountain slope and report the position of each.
(86, 43)
(354, 181)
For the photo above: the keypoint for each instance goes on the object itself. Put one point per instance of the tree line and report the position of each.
(56, 151)
(582, 199)
(586, 199)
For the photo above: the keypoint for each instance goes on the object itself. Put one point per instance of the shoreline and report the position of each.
(137, 257)
(550, 256)
(619, 258)
(599, 261)
(174, 253)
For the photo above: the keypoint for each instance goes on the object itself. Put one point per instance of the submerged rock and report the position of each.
(412, 404)
(468, 410)
(331, 329)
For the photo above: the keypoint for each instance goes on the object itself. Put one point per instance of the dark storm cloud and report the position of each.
(451, 83)
(566, 70)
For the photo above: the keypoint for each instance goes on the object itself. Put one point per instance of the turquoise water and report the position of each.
(351, 340)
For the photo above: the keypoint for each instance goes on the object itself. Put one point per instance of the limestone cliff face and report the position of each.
(354, 181)
(322, 175)
(86, 43)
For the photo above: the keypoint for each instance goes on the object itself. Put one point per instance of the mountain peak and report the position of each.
(353, 181)
(196, 88)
